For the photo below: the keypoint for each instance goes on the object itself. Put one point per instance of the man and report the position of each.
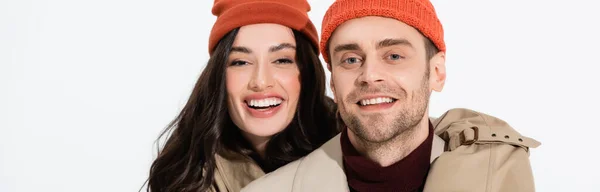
(385, 58)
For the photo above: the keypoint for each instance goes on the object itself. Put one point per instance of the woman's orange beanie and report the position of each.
(232, 14)
(419, 14)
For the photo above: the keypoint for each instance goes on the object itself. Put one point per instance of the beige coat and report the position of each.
(231, 175)
(472, 152)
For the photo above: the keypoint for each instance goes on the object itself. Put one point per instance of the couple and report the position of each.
(258, 118)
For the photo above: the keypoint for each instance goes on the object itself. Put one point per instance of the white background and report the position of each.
(87, 86)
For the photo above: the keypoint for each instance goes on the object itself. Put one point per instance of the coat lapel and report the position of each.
(437, 148)
(323, 169)
(233, 174)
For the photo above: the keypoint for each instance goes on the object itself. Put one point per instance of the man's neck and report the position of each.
(394, 150)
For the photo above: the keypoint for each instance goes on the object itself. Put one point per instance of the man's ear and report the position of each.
(437, 68)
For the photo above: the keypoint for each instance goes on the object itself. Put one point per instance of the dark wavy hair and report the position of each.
(204, 128)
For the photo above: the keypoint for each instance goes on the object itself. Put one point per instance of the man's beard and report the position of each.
(381, 128)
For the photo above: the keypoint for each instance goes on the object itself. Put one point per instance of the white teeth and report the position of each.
(375, 101)
(272, 101)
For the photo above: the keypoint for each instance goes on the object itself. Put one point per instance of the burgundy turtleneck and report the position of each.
(406, 175)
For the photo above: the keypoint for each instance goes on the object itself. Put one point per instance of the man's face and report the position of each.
(381, 78)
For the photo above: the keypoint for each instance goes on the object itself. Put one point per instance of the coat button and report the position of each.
(521, 140)
(506, 137)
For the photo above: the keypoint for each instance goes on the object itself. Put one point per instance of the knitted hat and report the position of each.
(232, 14)
(419, 14)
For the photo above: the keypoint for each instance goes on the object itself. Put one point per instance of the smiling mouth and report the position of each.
(264, 104)
(376, 101)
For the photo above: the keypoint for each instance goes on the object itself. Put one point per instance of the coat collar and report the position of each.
(328, 159)
(235, 173)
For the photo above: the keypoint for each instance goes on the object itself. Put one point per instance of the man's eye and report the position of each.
(395, 56)
(351, 60)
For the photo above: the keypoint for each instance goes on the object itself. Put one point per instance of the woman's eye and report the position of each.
(283, 61)
(238, 63)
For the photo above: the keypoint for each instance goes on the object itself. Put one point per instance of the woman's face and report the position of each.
(263, 80)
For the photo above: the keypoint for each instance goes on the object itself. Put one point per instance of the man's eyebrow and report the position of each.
(392, 42)
(346, 47)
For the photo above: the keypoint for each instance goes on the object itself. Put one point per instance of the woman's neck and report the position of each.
(259, 144)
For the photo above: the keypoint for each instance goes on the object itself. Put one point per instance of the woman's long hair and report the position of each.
(204, 127)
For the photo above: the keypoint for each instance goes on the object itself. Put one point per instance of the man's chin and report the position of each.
(373, 133)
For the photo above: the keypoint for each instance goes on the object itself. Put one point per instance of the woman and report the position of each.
(259, 104)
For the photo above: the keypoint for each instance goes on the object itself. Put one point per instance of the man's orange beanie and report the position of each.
(419, 14)
(232, 14)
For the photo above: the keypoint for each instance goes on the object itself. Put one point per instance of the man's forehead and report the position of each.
(372, 30)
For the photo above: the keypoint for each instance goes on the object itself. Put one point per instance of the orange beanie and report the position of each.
(419, 14)
(232, 14)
